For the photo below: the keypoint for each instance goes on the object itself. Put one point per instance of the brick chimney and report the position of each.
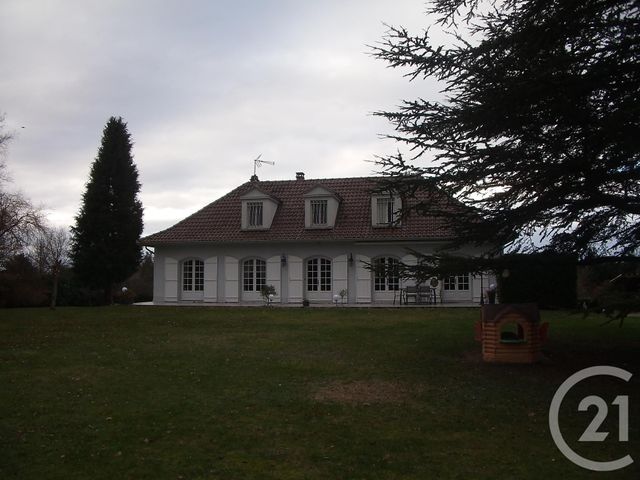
(299, 175)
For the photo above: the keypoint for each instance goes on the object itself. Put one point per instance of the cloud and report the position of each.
(204, 86)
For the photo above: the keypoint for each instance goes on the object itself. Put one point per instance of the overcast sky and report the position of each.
(205, 87)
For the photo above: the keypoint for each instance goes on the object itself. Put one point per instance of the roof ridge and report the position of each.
(293, 180)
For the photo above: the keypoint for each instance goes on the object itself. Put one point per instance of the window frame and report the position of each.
(193, 275)
(319, 210)
(255, 214)
(254, 274)
(384, 206)
(382, 280)
(319, 274)
(385, 210)
(457, 283)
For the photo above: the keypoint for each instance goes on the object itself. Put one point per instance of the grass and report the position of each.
(195, 393)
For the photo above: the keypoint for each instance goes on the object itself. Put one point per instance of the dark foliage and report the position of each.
(139, 285)
(105, 247)
(72, 291)
(594, 278)
(21, 285)
(538, 134)
(546, 279)
(620, 297)
(612, 288)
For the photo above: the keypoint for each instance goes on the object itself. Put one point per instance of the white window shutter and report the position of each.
(230, 279)
(170, 279)
(211, 279)
(363, 279)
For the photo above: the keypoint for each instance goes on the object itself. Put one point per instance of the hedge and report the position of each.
(548, 279)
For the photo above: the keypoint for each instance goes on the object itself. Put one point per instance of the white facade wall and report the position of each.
(223, 271)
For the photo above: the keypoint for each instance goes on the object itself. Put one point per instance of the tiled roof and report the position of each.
(219, 222)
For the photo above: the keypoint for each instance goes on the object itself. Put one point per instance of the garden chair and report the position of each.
(424, 294)
(411, 292)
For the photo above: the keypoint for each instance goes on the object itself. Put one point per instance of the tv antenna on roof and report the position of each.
(257, 163)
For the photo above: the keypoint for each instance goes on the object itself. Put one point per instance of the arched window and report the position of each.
(318, 275)
(193, 276)
(254, 274)
(386, 274)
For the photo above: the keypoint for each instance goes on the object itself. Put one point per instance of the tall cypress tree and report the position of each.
(105, 247)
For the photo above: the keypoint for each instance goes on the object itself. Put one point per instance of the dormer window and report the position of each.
(258, 209)
(320, 208)
(254, 214)
(385, 210)
(319, 212)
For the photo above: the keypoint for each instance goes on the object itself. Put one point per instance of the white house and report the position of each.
(310, 239)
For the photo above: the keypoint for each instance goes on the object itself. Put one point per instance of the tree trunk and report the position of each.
(54, 291)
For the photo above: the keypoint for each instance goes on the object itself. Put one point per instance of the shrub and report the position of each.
(267, 290)
(21, 285)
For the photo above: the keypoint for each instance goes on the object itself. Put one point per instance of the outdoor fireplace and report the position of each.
(511, 333)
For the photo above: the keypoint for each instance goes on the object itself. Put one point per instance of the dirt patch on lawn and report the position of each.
(363, 392)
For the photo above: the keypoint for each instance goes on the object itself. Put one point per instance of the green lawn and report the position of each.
(239, 393)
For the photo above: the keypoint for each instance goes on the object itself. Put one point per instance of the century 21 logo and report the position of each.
(591, 434)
